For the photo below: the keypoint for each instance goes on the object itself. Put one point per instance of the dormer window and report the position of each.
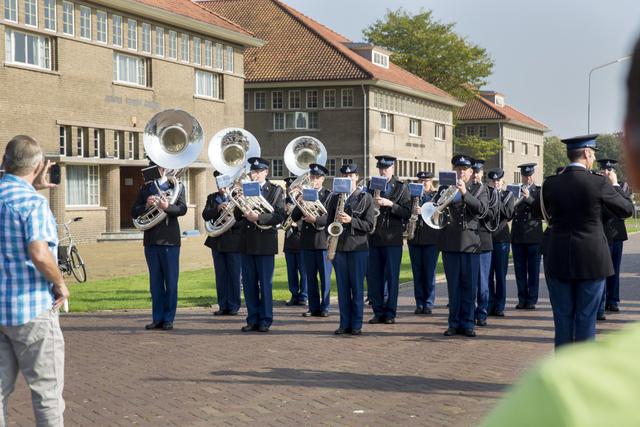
(380, 59)
(499, 100)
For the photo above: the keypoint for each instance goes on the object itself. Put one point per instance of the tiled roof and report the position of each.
(191, 10)
(483, 109)
(301, 49)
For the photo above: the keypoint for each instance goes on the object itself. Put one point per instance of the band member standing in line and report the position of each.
(352, 254)
(460, 247)
(385, 246)
(616, 232)
(162, 249)
(577, 258)
(313, 244)
(526, 236)
(423, 250)
(296, 274)
(225, 250)
(259, 249)
(500, 255)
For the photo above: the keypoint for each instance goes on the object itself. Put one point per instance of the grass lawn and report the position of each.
(195, 289)
(633, 225)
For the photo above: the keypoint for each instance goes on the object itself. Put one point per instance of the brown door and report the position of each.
(130, 182)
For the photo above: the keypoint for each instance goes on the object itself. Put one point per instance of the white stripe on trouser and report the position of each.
(37, 350)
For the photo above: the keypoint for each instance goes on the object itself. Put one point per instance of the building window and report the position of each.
(101, 26)
(173, 45)
(278, 121)
(133, 145)
(50, 15)
(313, 120)
(63, 138)
(83, 186)
(159, 41)
(329, 98)
(80, 142)
(277, 167)
(146, 37)
(512, 146)
(98, 137)
(132, 34)
(31, 13)
(246, 101)
(381, 59)
(11, 10)
(331, 166)
(28, 49)
(347, 98)
(517, 177)
(186, 180)
(440, 132)
(346, 161)
(229, 63)
(459, 131)
(85, 22)
(277, 100)
(196, 51)
(482, 131)
(260, 101)
(67, 18)
(471, 130)
(117, 30)
(207, 84)
(129, 69)
(525, 148)
(297, 120)
(219, 56)
(537, 151)
(208, 53)
(184, 39)
(386, 122)
(294, 99)
(415, 127)
(117, 143)
(312, 99)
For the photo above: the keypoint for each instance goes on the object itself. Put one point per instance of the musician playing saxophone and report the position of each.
(423, 250)
(352, 252)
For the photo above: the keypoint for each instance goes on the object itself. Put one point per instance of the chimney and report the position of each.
(494, 97)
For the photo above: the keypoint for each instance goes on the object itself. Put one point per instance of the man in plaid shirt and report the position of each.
(31, 286)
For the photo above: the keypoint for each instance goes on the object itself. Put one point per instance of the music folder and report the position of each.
(310, 195)
(224, 181)
(251, 189)
(415, 190)
(514, 189)
(342, 185)
(447, 178)
(378, 183)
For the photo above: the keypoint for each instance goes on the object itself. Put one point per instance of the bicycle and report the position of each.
(69, 259)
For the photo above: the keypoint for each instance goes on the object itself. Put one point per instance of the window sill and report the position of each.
(439, 140)
(27, 67)
(132, 86)
(206, 98)
(390, 132)
(71, 208)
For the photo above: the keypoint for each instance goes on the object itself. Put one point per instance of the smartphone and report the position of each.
(54, 174)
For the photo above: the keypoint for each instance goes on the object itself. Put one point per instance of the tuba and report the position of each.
(298, 155)
(433, 213)
(173, 139)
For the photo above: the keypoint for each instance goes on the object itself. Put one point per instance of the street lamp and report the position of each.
(624, 58)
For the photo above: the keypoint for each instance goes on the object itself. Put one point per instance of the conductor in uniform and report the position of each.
(526, 236)
(577, 259)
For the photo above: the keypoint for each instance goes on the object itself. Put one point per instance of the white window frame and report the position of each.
(273, 99)
(538, 150)
(279, 121)
(311, 114)
(386, 122)
(80, 142)
(208, 54)
(471, 131)
(102, 27)
(43, 56)
(511, 146)
(308, 97)
(482, 131)
(349, 95)
(116, 143)
(277, 168)
(116, 30)
(159, 42)
(219, 61)
(132, 146)
(255, 101)
(31, 12)
(11, 10)
(50, 14)
(525, 149)
(415, 127)
(324, 101)
(197, 50)
(141, 69)
(87, 26)
(294, 117)
(207, 84)
(291, 97)
(97, 143)
(65, 16)
(62, 141)
(440, 132)
(332, 167)
(93, 186)
(146, 38)
(184, 43)
(380, 59)
(173, 45)
(246, 100)
(132, 36)
(229, 62)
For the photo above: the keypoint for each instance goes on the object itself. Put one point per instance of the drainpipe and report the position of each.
(365, 132)
(501, 158)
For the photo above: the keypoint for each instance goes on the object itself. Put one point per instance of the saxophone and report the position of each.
(413, 221)
(335, 229)
(376, 212)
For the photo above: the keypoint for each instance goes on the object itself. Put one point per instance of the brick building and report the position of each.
(309, 80)
(83, 78)
(521, 137)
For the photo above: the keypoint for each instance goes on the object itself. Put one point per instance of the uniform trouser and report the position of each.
(526, 263)
(611, 295)
(384, 265)
(482, 307)
(461, 270)
(257, 281)
(498, 277)
(424, 259)
(37, 350)
(296, 275)
(574, 304)
(228, 268)
(350, 268)
(164, 267)
(316, 264)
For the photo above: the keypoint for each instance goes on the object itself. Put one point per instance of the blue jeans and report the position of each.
(228, 268)
(350, 268)
(462, 271)
(526, 263)
(574, 305)
(424, 259)
(257, 278)
(384, 268)
(498, 277)
(316, 264)
(483, 286)
(296, 276)
(164, 267)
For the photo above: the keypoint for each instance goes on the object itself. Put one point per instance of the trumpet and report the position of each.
(433, 213)
(336, 228)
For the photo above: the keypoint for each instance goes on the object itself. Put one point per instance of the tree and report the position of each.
(432, 50)
(555, 155)
(610, 146)
(476, 147)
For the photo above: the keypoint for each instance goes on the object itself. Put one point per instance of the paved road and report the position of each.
(206, 372)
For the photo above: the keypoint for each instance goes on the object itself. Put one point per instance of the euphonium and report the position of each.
(336, 228)
(432, 213)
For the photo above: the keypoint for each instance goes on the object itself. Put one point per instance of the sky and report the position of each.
(543, 50)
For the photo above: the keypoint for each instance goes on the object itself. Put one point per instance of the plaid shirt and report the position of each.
(25, 217)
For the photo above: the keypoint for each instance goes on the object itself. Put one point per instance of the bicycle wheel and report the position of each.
(77, 266)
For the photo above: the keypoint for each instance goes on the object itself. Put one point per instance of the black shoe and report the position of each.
(291, 302)
(520, 306)
(220, 313)
(450, 332)
(232, 313)
(324, 314)
(418, 310)
(249, 328)
(153, 325)
(601, 317)
(614, 308)
(530, 307)
(342, 331)
(263, 328)
(426, 310)
(167, 326)
(307, 314)
(498, 313)
(481, 322)
(301, 302)
(470, 333)
(375, 320)
(356, 332)
(389, 320)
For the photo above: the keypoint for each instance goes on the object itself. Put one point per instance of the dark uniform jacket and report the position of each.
(355, 235)
(231, 240)
(614, 227)
(313, 236)
(488, 220)
(256, 241)
(167, 232)
(425, 235)
(526, 227)
(390, 223)
(461, 233)
(576, 248)
(507, 208)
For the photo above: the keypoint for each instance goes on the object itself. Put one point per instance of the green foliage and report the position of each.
(476, 147)
(432, 50)
(555, 155)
